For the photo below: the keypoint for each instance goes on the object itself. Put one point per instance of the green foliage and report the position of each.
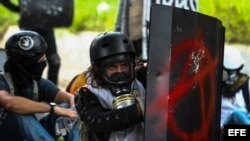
(7, 18)
(234, 15)
(87, 16)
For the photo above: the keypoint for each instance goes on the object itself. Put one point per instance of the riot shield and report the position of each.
(184, 76)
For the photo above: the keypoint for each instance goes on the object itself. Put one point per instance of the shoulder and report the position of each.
(46, 82)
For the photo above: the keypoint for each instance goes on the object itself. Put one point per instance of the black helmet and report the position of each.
(112, 47)
(25, 44)
(110, 44)
(24, 50)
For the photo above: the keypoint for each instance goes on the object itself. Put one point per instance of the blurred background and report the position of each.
(94, 16)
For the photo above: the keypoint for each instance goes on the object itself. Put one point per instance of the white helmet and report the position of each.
(232, 58)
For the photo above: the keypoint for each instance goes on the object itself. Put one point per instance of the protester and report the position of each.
(23, 94)
(235, 90)
(112, 102)
(48, 34)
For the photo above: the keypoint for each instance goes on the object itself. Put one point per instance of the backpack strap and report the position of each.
(35, 91)
(3, 112)
(10, 83)
(8, 79)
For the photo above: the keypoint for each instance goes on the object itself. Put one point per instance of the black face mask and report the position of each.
(36, 70)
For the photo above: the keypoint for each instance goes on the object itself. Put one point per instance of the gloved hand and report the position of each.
(141, 101)
(65, 124)
(84, 99)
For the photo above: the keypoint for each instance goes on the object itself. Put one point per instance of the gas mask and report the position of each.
(233, 81)
(120, 86)
(230, 76)
(119, 82)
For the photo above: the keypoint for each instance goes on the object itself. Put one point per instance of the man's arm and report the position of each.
(64, 97)
(22, 105)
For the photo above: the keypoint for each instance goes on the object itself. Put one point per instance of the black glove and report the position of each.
(84, 99)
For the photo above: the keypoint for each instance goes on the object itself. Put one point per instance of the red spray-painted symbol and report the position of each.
(198, 67)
